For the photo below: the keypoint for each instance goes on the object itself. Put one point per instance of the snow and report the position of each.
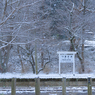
(44, 76)
(50, 90)
(89, 43)
(86, 43)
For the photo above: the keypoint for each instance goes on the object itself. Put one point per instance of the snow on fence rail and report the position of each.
(64, 81)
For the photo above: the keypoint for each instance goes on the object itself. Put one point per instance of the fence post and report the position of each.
(37, 86)
(63, 86)
(13, 86)
(89, 86)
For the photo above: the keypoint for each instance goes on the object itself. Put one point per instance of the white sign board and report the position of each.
(67, 57)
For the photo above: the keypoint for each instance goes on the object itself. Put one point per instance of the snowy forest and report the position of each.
(32, 31)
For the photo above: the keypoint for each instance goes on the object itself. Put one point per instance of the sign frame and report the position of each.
(67, 60)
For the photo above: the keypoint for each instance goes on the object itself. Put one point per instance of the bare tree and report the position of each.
(28, 55)
(77, 38)
(10, 27)
(75, 23)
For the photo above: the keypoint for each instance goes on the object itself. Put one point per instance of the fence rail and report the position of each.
(37, 82)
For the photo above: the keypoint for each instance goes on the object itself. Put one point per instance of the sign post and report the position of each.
(67, 57)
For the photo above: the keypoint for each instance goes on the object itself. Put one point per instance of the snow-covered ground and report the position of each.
(44, 76)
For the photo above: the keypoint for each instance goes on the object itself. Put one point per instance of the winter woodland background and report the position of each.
(32, 31)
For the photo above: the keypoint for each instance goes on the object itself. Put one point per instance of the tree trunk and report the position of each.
(36, 66)
(0, 58)
(20, 59)
(82, 61)
(42, 60)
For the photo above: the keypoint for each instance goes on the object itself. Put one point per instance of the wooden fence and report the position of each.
(64, 82)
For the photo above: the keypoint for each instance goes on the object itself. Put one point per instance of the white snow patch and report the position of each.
(89, 43)
(86, 43)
